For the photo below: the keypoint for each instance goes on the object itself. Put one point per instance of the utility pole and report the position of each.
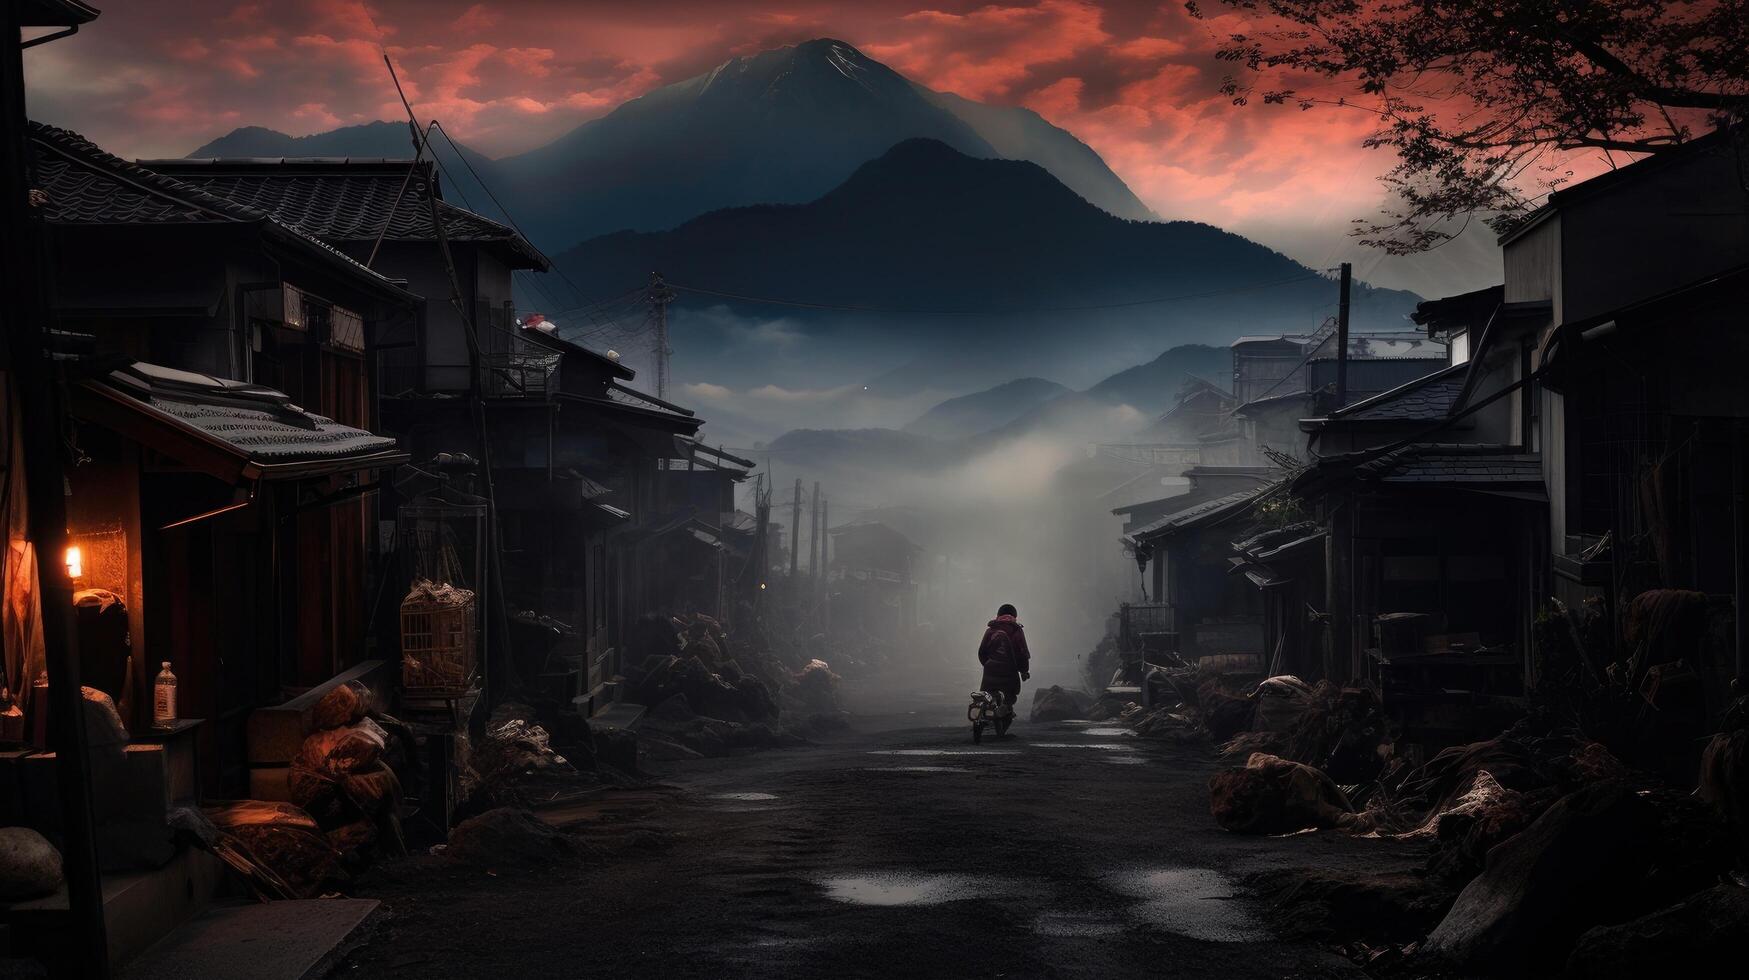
(659, 298)
(34, 392)
(795, 534)
(814, 534)
(825, 537)
(1342, 336)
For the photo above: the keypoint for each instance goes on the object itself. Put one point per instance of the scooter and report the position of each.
(987, 709)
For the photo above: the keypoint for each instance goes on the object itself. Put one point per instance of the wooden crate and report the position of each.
(438, 654)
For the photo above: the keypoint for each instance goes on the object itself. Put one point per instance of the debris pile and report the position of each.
(713, 695)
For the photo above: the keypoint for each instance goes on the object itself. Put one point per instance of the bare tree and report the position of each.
(1485, 100)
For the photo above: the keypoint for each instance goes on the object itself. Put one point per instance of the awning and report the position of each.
(232, 430)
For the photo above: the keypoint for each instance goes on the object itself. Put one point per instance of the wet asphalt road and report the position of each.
(895, 849)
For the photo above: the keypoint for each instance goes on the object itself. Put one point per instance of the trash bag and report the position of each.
(1272, 795)
(325, 758)
(345, 705)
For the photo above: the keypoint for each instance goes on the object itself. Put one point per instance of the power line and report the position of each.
(577, 291)
(1012, 311)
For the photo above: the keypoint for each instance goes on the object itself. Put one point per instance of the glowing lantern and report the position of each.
(75, 562)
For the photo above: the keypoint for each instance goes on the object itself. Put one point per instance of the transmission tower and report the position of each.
(659, 297)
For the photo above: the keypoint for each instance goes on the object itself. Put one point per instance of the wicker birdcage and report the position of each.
(438, 653)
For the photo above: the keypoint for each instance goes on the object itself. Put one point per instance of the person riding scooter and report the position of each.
(1006, 662)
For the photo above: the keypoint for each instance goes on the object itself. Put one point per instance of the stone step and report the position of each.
(291, 940)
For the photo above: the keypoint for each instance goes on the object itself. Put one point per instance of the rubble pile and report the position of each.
(712, 695)
(284, 851)
(1552, 854)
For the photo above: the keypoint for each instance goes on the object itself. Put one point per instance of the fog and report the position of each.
(1012, 515)
(1020, 521)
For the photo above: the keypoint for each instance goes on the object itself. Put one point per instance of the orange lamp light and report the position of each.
(75, 562)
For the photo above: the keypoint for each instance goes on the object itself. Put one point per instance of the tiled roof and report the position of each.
(1456, 464)
(80, 184)
(1194, 516)
(345, 200)
(258, 428)
(1428, 398)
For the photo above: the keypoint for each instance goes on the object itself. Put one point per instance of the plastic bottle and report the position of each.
(164, 698)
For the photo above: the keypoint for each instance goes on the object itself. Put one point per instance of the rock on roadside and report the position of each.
(29, 865)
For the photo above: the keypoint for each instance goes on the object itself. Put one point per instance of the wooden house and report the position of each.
(225, 422)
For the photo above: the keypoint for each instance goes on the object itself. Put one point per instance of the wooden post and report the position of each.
(25, 318)
(1342, 336)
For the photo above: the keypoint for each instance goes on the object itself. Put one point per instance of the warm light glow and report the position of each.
(762, 586)
(75, 562)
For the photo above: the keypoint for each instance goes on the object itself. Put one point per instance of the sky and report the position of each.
(1136, 81)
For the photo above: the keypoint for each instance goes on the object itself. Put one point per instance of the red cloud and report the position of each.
(1135, 80)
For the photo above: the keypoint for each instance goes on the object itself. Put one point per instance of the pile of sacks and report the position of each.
(343, 778)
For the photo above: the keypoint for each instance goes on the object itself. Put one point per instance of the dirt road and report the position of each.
(896, 849)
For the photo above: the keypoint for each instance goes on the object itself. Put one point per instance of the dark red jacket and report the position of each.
(997, 665)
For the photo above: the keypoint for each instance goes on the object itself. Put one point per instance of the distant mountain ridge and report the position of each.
(780, 126)
(982, 411)
(980, 266)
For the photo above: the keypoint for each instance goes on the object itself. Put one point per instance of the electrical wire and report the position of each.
(1011, 311)
(575, 289)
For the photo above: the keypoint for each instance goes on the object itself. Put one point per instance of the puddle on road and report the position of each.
(1075, 924)
(1193, 902)
(918, 769)
(1126, 760)
(901, 888)
(942, 752)
(744, 797)
(1106, 746)
(1107, 732)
